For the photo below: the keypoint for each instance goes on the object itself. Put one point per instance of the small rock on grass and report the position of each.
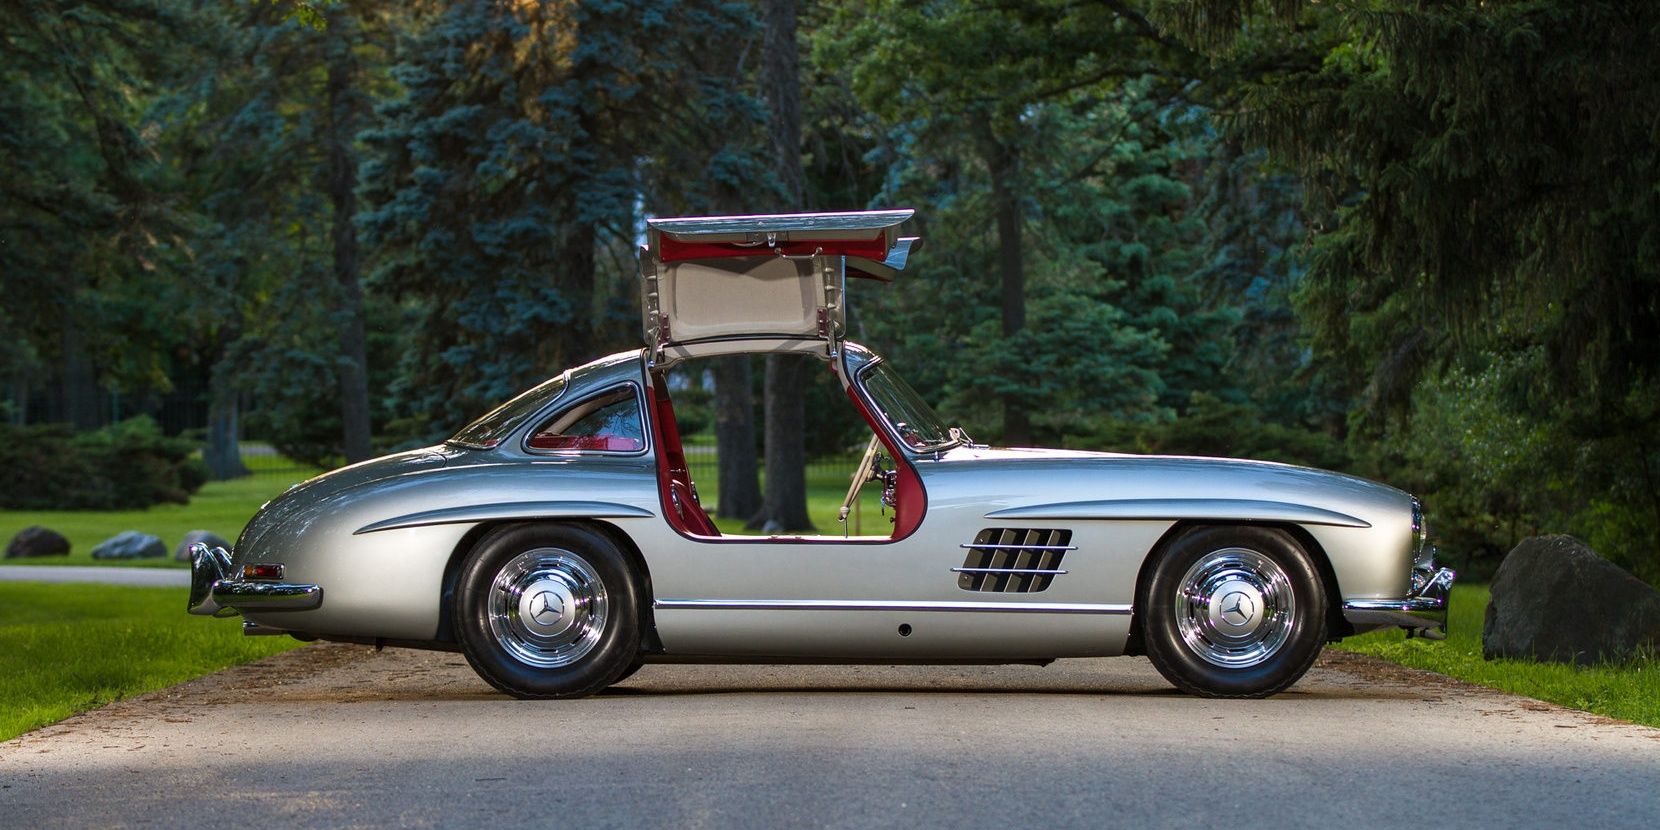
(130, 544)
(206, 537)
(35, 540)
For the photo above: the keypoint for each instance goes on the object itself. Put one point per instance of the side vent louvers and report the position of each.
(1014, 559)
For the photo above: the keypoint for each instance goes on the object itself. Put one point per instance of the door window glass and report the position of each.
(606, 423)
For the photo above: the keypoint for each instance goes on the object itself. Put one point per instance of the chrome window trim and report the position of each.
(887, 605)
(554, 411)
(856, 380)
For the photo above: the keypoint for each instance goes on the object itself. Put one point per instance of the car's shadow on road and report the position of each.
(876, 688)
(350, 674)
(634, 692)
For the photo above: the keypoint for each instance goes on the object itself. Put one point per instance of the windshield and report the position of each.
(488, 431)
(902, 407)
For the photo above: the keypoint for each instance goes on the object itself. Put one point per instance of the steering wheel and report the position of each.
(865, 472)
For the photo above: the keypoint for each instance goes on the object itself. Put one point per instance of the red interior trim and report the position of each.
(670, 250)
(603, 443)
(910, 499)
(674, 479)
(688, 517)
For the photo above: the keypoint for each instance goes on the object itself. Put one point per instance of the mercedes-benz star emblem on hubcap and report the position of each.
(1237, 609)
(544, 610)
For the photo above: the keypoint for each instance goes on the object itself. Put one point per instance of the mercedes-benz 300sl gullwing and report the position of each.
(559, 543)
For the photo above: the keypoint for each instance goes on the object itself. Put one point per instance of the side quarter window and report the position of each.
(608, 422)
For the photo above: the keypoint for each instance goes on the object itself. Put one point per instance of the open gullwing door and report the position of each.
(729, 284)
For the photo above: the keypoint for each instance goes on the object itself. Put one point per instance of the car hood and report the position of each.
(1027, 477)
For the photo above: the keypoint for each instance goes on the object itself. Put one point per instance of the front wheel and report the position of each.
(1234, 612)
(548, 611)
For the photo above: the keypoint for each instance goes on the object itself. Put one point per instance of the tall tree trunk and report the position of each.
(1011, 266)
(80, 382)
(354, 361)
(223, 453)
(19, 414)
(781, 84)
(1644, 464)
(784, 508)
(740, 489)
(577, 266)
(784, 505)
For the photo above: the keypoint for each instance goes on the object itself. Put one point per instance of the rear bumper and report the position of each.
(1424, 613)
(213, 593)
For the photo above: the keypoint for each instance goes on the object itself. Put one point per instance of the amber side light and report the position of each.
(262, 571)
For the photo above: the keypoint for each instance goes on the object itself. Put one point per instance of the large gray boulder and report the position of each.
(130, 544)
(206, 537)
(35, 540)
(1555, 599)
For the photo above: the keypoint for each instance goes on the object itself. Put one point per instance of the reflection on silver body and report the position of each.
(371, 551)
(378, 537)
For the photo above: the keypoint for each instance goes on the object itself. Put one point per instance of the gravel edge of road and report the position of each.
(244, 683)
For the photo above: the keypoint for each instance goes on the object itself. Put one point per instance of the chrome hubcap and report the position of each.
(547, 607)
(1235, 608)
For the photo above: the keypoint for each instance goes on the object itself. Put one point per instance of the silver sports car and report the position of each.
(558, 541)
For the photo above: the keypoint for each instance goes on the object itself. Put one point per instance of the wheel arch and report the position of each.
(649, 641)
(1336, 626)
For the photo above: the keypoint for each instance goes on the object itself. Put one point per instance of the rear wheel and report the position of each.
(629, 672)
(548, 611)
(1234, 612)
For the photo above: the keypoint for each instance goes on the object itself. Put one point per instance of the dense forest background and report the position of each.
(1412, 239)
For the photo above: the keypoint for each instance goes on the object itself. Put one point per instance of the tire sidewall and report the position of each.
(1192, 673)
(618, 645)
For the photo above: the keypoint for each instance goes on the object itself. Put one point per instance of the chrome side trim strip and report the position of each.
(886, 605)
(1167, 509)
(1018, 547)
(509, 510)
(1039, 571)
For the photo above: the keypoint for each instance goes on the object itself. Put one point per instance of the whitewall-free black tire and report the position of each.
(1233, 612)
(548, 611)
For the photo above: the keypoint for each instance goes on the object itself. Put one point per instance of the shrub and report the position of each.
(1214, 427)
(126, 465)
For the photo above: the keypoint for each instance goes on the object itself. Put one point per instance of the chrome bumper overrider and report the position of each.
(214, 594)
(1424, 613)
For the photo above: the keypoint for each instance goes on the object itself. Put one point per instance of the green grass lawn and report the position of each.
(1630, 692)
(220, 506)
(69, 648)
(827, 480)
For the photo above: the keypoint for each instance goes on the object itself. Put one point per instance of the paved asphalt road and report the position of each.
(334, 736)
(107, 575)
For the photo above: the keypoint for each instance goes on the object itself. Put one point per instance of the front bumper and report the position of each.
(1424, 613)
(213, 593)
